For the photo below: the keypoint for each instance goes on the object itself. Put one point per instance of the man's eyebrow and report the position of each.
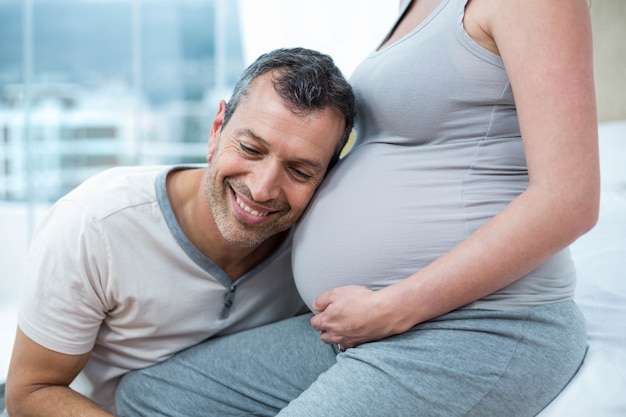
(313, 164)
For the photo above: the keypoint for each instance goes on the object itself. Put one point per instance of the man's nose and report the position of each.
(266, 181)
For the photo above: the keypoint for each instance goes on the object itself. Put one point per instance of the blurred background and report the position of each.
(90, 84)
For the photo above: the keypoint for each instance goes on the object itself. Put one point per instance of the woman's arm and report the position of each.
(547, 51)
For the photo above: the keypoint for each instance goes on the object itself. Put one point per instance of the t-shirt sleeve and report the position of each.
(63, 299)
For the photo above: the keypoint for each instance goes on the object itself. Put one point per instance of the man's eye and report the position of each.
(301, 174)
(247, 149)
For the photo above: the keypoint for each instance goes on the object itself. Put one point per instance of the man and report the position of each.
(139, 263)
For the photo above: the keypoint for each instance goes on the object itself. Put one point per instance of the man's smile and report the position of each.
(249, 209)
(251, 213)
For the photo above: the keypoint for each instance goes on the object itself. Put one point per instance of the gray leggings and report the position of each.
(465, 363)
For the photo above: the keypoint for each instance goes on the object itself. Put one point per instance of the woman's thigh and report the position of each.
(251, 373)
(466, 363)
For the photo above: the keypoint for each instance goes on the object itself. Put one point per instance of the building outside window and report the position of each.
(86, 85)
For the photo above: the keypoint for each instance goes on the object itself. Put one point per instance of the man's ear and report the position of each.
(216, 128)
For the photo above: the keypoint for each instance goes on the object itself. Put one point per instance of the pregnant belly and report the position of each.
(378, 218)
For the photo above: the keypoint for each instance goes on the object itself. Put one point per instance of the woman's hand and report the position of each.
(352, 315)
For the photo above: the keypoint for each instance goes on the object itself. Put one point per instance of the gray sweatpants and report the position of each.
(465, 363)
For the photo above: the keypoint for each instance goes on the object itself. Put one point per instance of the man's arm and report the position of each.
(38, 382)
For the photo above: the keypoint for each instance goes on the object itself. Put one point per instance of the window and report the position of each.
(128, 80)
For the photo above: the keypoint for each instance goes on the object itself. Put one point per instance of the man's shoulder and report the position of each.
(115, 189)
(129, 176)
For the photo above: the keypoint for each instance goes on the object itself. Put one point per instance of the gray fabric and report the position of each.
(466, 363)
(438, 154)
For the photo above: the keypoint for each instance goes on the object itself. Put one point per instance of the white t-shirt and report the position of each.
(111, 272)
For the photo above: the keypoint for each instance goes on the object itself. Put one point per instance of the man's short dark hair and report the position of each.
(306, 80)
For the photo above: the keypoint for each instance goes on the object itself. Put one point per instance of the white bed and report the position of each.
(599, 387)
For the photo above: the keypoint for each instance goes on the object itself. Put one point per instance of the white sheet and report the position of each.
(599, 387)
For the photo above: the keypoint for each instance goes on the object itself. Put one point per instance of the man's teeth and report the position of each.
(247, 209)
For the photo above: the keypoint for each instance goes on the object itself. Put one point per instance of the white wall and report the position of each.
(347, 30)
(608, 18)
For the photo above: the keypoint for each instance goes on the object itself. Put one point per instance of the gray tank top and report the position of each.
(438, 154)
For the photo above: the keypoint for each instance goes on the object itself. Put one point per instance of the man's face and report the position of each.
(266, 163)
